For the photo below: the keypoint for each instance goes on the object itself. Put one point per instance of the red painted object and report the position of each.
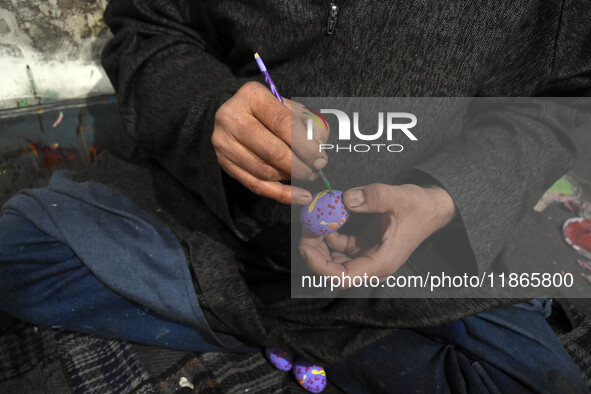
(577, 233)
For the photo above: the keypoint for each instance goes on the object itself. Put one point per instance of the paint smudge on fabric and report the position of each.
(184, 382)
(162, 334)
(566, 192)
(564, 187)
(49, 156)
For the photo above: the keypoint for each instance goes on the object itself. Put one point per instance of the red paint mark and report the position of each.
(577, 233)
(472, 166)
(49, 156)
(93, 150)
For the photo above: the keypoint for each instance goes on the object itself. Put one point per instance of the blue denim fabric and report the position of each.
(507, 350)
(42, 281)
(55, 238)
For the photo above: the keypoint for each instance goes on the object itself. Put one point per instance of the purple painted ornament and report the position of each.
(281, 360)
(309, 376)
(325, 214)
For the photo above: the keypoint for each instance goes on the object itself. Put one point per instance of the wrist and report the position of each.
(444, 208)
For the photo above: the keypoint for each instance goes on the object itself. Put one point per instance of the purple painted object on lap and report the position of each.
(309, 376)
(281, 360)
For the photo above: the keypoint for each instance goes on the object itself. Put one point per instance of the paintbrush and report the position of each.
(275, 92)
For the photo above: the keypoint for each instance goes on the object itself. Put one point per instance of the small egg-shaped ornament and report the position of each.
(309, 376)
(280, 359)
(325, 214)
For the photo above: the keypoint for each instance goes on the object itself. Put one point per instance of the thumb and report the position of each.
(376, 197)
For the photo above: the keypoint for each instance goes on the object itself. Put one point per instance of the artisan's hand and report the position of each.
(405, 216)
(254, 144)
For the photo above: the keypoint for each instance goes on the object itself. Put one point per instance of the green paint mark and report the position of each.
(162, 334)
(50, 95)
(326, 183)
(22, 103)
(563, 186)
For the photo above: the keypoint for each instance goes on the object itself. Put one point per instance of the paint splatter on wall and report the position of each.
(60, 41)
(37, 141)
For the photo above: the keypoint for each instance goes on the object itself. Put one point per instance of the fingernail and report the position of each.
(354, 198)
(320, 163)
(303, 198)
(313, 176)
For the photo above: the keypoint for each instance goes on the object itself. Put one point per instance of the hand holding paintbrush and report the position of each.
(258, 144)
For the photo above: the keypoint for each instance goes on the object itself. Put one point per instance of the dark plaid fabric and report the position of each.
(46, 360)
(50, 360)
(578, 344)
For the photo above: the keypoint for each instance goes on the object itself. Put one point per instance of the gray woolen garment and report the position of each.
(174, 63)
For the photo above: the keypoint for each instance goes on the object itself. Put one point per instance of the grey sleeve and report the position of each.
(507, 156)
(166, 64)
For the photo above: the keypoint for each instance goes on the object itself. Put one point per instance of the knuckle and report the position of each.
(308, 174)
(253, 90)
(225, 164)
(223, 113)
(281, 121)
(250, 86)
(220, 158)
(376, 195)
(216, 139)
(266, 172)
(302, 172)
(256, 187)
(276, 151)
(285, 197)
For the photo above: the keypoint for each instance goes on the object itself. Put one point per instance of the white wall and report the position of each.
(60, 41)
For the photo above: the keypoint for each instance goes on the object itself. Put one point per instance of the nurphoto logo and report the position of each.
(395, 123)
